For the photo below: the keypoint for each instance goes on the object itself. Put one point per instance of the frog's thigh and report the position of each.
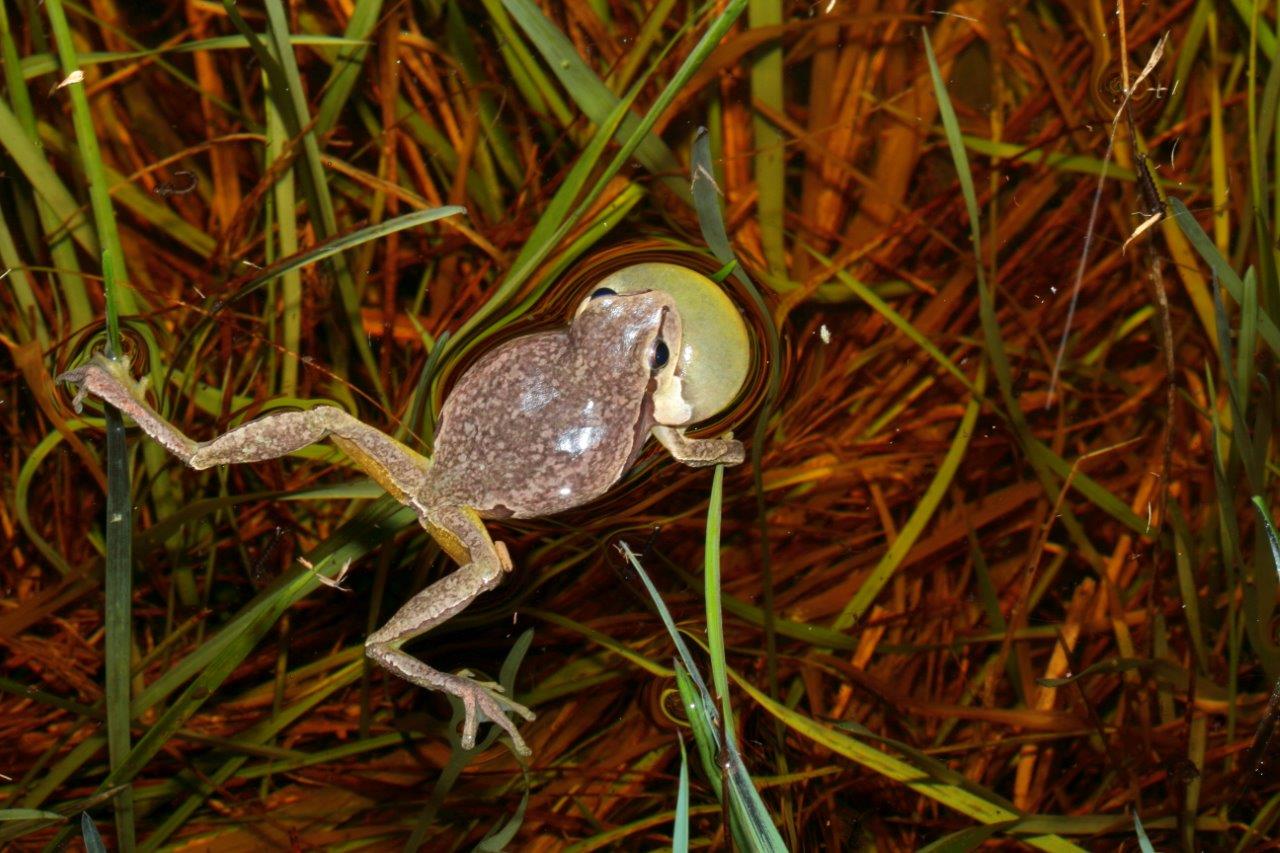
(395, 467)
(462, 534)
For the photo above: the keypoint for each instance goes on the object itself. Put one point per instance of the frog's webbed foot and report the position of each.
(489, 698)
(483, 563)
(482, 701)
(700, 452)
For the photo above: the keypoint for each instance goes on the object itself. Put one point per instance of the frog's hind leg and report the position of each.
(482, 563)
(397, 468)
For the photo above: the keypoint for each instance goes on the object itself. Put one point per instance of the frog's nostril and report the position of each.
(603, 291)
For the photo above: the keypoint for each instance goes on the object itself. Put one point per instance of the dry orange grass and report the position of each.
(835, 174)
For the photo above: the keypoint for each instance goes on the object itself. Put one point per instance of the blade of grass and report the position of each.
(39, 172)
(1218, 264)
(590, 93)
(711, 595)
(1043, 461)
(282, 241)
(342, 244)
(769, 157)
(706, 201)
(1217, 143)
(39, 64)
(118, 618)
(347, 63)
(958, 795)
(749, 816)
(680, 826)
(278, 62)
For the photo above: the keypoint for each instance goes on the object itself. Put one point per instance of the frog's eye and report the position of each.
(660, 355)
(591, 297)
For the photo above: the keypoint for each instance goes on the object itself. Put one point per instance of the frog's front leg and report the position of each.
(699, 452)
(482, 563)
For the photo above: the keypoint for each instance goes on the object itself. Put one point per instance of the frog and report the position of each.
(540, 424)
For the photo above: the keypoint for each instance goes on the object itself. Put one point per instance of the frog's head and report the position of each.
(635, 339)
(712, 352)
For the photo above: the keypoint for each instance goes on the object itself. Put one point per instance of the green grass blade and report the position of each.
(39, 64)
(118, 618)
(90, 835)
(967, 839)
(38, 171)
(29, 814)
(706, 202)
(770, 153)
(711, 595)
(1144, 843)
(751, 818)
(1230, 280)
(680, 826)
(345, 242)
(283, 242)
(347, 64)
(1248, 339)
(1264, 516)
(589, 92)
(957, 795)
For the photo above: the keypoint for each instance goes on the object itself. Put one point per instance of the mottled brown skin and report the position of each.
(543, 423)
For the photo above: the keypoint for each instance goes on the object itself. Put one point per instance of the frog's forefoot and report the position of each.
(107, 379)
(111, 382)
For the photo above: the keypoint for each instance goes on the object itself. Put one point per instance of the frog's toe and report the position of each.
(484, 700)
(734, 453)
(76, 379)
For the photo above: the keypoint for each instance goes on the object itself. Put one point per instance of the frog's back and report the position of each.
(535, 427)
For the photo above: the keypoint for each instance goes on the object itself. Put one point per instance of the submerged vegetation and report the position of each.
(1000, 568)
